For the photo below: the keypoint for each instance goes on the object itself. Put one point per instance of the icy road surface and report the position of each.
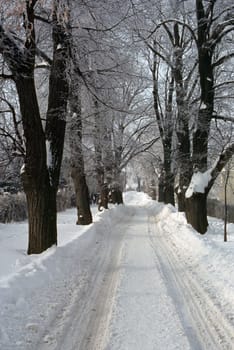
(126, 283)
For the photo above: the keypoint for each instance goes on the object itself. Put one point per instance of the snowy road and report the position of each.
(86, 317)
(144, 316)
(139, 294)
(129, 282)
(122, 302)
(205, 325)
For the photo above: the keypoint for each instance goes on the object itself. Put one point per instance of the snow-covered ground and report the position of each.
(138, 278)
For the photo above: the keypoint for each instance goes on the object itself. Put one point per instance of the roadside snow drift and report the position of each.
(40, 294)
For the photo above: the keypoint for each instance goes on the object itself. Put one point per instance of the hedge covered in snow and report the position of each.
(13, 207)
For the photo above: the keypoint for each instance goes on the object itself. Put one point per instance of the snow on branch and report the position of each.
(203, 182)
(220, 163)
(199, 182)
(221, 30)
(223, 117)
(223, 59)
(228, 11)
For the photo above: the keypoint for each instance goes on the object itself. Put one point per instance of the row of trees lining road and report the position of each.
(195, 51)
(106, 81)
(51, 61)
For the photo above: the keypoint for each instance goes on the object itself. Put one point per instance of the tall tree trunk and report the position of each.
(161, 196)
(103, 198)
(184, 165)
(180, 199)
(117, 183)
(206, 76)
(196, 212)
(196, 208)
(152, 190)
(42, 219)
(225, 202)
(117, 187)
(84, 215)
(198, 218)
(168, 175)
(169, 197)
(99, 164)
(43, 158)
(165, 125)
(41, 196)
(182, 127)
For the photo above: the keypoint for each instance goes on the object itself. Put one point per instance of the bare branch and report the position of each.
(222, 60)
(223, 159)
(224, 118)
(173, 21)
(42, 19)
(105, 29)
(6, 76)
(220, 31)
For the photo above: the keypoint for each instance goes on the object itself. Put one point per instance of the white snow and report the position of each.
(198, 183)
(138, 278)
(22, 170)
(43, 64)
(48, 154)
(203, 106)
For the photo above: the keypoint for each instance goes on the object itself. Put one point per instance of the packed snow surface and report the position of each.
(138, 278)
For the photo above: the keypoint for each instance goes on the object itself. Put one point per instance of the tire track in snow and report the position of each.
(204, 324)
(82, 323)
(97, 327)
(144, 317)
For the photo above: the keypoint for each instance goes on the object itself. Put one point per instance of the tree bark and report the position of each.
(40, 179)
(165, 125)
(196, 212)
(181, 200)
(206, 75)
(161, 197)
(152, 190)
(41, 196)
(196, 209)
(84, 216)
(103, 199)
(99, 164)
(169, 197)
(225, 204)
(169, 177)
(41, 219)
(182, 126)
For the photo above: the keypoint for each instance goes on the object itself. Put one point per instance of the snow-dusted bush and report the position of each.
(64, 199)
(13, 207)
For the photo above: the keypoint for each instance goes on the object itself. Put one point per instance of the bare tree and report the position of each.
(204, 39)
(43, 145)
(76, 154)
(213, 27)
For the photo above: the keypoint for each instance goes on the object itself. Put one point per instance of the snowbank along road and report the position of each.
(125, 284)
